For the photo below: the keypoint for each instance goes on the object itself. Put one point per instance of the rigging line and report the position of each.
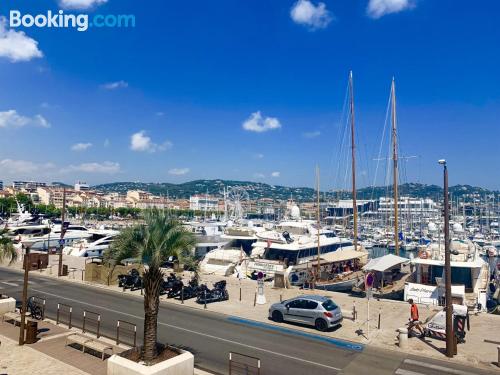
(341, 150)
(381, 143)
(340, 137)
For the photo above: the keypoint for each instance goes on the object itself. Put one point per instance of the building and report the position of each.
(1, 185)
(144, 200)
(344, 207)
(203, 203)
(421, 207)
(29, 186)
(82, 186)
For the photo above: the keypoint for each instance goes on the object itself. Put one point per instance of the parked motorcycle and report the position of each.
(191, 290)
(132, 280)
(218, 293)
(176, 289)
(168, 284)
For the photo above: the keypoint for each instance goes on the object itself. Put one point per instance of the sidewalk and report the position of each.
(393, 315)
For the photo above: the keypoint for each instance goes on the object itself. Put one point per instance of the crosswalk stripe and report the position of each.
(400, 371)
(436, 367)
(9, 284)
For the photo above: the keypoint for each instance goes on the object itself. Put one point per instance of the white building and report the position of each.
(422, 207)
(82, 186)
(203, 202)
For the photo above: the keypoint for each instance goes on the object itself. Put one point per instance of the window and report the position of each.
(296, 304)
(329, 305)
(310, 305)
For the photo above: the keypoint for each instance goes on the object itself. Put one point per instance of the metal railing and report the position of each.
(64, 313)
(127, 329)
(241, 364)
(91, 322)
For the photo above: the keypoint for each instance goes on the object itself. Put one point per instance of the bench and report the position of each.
(89, 343)
(16, 317)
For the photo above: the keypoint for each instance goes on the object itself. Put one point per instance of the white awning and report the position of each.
(384, 263)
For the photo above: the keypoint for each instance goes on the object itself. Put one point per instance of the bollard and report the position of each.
(205, 295)
(83, 271)
(498, 349)
(281, 297)
(354, 313)
(379, 313)
(255, 299)
(240, 293)
(182, 296)
(403, 338)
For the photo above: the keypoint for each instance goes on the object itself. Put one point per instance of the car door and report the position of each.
(309, 312)
(293, 311)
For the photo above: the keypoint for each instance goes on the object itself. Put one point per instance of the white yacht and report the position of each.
(51, 240)
(469, 275)
(94, 246)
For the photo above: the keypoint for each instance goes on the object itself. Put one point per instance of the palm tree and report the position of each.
(152, 243)
(7, 250)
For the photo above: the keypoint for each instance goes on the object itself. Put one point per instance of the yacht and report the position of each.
(469, 275)
(94, 246)
(51, 240)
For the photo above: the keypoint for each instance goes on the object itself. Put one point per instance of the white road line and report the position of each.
(436, 367)
(195, 332)
(400, 371)
(10, 284)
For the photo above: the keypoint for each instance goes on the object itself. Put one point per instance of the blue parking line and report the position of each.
(337, 342)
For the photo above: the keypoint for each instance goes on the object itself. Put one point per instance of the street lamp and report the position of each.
(447, 267)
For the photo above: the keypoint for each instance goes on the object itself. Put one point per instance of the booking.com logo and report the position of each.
(79, 22)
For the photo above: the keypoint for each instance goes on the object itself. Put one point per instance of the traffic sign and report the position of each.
(61, 242)
(369, 279)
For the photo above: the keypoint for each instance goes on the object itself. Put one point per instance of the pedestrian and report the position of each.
(414, 318)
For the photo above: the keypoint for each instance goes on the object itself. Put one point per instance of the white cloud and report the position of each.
(141, 142)
(106, 143)
(12, 119)
(379, 8)
(80, 4)
(160, 114)
(275, 174)
(115, 85)
(258, 156)
(313, 134)
(23, 167)
(259, 175)
(257, 123)
(304, 12)
(179, 171)
(81, 146)
(105, 167)
(16, 45)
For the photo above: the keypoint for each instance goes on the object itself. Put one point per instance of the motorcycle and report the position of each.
(191, 290)
(218, 293)
(176, 289)
(132, 280)
(168, 284)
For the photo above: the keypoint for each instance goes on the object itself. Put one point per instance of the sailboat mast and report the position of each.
(319, 223)
(395, 165)
(353, 166)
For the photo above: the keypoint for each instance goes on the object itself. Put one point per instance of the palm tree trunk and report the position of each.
(153, 279)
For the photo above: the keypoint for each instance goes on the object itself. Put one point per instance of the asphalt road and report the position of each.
(211, 336)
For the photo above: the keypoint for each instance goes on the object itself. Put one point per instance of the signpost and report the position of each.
(261, 298)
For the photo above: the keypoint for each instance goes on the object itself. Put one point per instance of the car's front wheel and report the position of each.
(321, 325)
(277, 316)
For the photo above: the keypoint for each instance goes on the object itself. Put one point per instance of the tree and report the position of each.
(7, 250)
(153, 242)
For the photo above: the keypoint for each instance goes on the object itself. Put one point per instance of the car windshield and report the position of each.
(329, 305)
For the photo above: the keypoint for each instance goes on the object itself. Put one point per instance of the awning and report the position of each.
(384, 263)
(335, 256)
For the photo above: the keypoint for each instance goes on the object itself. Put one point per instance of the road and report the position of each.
(211, 336)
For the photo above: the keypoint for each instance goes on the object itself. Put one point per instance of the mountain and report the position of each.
(258, 190)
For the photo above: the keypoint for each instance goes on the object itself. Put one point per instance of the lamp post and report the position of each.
(447, 267)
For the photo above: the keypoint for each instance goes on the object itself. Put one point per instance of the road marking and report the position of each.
(8, 283)
(436, 367)
(195, 332)
(400, 371)
(330, 340)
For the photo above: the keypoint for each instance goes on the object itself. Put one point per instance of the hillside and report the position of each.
(258, 190)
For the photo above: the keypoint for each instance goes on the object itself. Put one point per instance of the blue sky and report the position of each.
(249, 90)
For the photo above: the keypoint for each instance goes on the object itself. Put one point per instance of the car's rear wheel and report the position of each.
(321, 325)
(277, 316)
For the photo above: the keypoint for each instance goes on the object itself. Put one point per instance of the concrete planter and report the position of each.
(7, 305)
(183, 364)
